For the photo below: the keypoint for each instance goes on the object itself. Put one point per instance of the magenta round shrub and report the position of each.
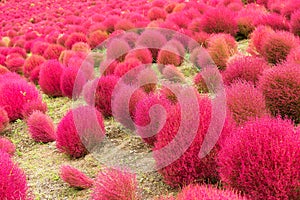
(74, 38)
(49, 77)
(115, 184)
(117, 50)
(53, 51)
(79, 131)
(142, 54)
(99, 93)
(7, 146)
(189, 167)
(4, 119)
(149, 118)
(127, 68)
(205, 192)
(258, 38)
(124, 24)
(18, 50)
(96, 38)
(261, 159)
(169, 55)
(34, 105)
(72, 82)
(153, 40)
(278, 45)
(31, 63)
(39, 47)
(245, 102)
(41, 127)
(221, 47)
(14, 64)
(81, 46)
(156, 13)
(247, 68)
(75, 178)
(12, 179)
(14, 95)
(295, 23)
(281, 88)
(213, 21)
(275, 21)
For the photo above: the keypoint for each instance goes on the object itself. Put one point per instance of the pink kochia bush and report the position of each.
(281, 88)
(247, 68)
(203, 192)
(41, 127)
(15, 93)
(187, 167)
(7, 146)
(244, 102)
(34, 105)
(32, 63)
(79, 131)
(75, 178)
(295, 23)
(98, 93)
(115, 184)
(12, 179)
(50, 75)
(261, 159)
(4, 119)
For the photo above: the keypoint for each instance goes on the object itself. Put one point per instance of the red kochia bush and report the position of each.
(14, 95)
(189, 167)
(295, 23)
(117, 50)
(261, 159)
(281, 88)
(213, 21)
(31, 63)
(221, 47)
(248, 68)
(14, 63)
(96, 38)
(75, 178)
(98, 93)
(34, 105)
(41, 127)
(257, 39)
(72, 82)
(195, 192)
(7, 146)
(50, 75)
(275, 21)
(278, 45)
(12, 179)
(115, 184)
(142, 54)
(53, 51)
(74, 38)
(156, 13)
(79, 131)
(245, 102)
(168, 54)
(4, 120)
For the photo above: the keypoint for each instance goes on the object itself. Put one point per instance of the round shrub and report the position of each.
(149, 116)
(295, 23)
(115, 184)
(261, 159)
(189, 167)
(99, 93)
(171, 73)
(95, 38)
(257, 39)
(117, 50)
(124, 24)
(14, 63)
(41, 127)
(200, 83)
(281, 88)
(207, 193)
(32, 63)
(275, 21)
(53, 51)
(81, 46)
(168, 54)
(128, 70)
(7, 146)
(221, 47)
(142, 54)
(79, 131)
(39, 47)
(4, 119)
(213, 21)
(14, 95)
(245, 102)
(156, 13)
(75, 178)
(12, 179)
(49, 79)
(247, 68)
(278, 45)
(3, 70)
(74, 38)
(72, 82)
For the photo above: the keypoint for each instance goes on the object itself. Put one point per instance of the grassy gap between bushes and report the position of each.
(41, 162)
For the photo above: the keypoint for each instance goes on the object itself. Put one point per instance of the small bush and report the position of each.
(7, 146)
(75, 178)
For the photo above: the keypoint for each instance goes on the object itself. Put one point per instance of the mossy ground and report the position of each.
(41, 162)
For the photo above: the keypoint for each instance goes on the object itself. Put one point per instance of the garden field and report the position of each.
(150, 100)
